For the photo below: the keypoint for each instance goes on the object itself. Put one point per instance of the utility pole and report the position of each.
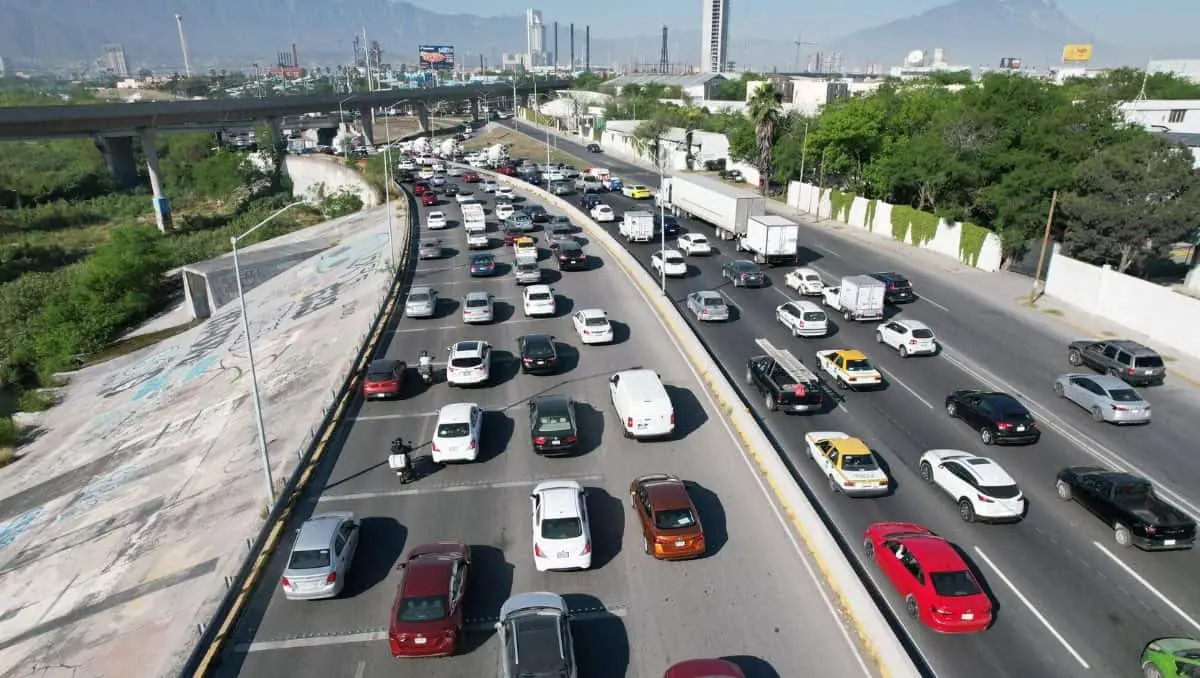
(1037, 274)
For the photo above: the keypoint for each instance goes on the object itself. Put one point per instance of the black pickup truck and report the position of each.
(1129, 505)
(781, 388)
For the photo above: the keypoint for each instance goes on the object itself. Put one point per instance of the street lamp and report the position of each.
(662, 214)
(803, 153)
(258, 415)
(387, 181)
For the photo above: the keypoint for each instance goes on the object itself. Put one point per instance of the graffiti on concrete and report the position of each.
(14, 528)
(357, 269)
(98, 491)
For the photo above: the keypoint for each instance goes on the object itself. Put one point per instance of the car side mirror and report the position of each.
(497, 626)
(612, 379)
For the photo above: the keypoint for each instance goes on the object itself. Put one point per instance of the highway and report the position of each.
(754, 597)
(1070, 602)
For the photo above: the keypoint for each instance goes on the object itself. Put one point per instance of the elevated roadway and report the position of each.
(755, 597)
(1070, 602)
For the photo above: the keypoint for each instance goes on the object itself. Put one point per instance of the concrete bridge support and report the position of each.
(367, 120)
(423, 118)
(474, 110)
(122, 164)
(162, 209)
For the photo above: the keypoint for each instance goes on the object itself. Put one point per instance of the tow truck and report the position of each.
(849, 368)
(783, 382)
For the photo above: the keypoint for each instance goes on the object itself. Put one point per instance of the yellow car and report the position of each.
(636, 192)
(849, 368)
(848, 463)
(525, 246)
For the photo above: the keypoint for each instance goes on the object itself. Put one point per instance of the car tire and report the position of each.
(646, 546)
(1122, 535)
(926, 472)
(833, 486)
(952, 410)
(1058, 390)
(879, 337)
(1114, 372)
(966, 510)
(841, 384)
(869, 549)
(1149, 670)
(769, 402)
(903, 351)
(910, 606)
(846, 316)
(986, 436)
(1063, 490)
(1097, 415)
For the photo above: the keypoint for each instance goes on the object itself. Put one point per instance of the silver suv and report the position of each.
(535, 637)
(321, 556)
(1124, 359)
(527, 274)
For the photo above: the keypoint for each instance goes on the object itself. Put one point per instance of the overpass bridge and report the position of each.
(115, 126)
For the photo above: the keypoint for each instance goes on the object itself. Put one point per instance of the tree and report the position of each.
(1131, 201)
(765, 113)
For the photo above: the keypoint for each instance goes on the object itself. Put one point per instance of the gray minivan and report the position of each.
(321, 555)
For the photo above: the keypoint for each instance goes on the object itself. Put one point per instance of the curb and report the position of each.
(852, 596)
(205, 657)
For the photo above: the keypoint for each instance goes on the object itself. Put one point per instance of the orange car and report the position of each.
(671, 527)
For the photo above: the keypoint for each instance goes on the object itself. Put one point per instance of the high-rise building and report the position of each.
(115, 61)
(535, 38)
(714, 28)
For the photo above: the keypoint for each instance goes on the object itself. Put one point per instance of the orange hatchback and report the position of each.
(671, 527)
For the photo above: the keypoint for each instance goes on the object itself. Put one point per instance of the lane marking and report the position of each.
(729, 300)
(1149, 587)
(360, 670)
(893, 377)
(458, 487)
(827, 250)
(1072, 434)
(395, 415)
(1062, 641)
(439, 328)
(922, 297)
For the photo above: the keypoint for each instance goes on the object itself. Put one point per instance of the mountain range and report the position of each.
(235, 33)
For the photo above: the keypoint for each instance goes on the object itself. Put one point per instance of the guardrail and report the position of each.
(873, 629)
(213, 636)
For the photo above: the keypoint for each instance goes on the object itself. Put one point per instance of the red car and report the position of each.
(511, 234)
(939, 589)
(383, 379)
(470, 177)
(704, 668)
(429, 199)
(507, 170)
(427, 617)
(421, 188)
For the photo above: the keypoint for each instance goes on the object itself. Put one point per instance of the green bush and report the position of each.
(34, 401)
(10, 435)
(340, 204)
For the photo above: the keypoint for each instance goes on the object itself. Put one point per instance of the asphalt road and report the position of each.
(754, 597)
(1070, 602)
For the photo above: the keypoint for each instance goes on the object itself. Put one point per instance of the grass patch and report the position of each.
(7, 456)
(519, 146)
(127, 346)
(10, 434)
(35, 401)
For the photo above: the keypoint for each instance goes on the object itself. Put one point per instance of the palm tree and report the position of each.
(766, 114)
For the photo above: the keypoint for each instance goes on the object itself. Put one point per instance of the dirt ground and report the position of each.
(402, 126)
(519, 146)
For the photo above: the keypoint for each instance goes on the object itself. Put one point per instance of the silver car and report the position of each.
(489, 186)
(477, 307)
(421, 302)
(1108, 398)
(321, 556)
(430, 249)
(708, 305)
(535, 636)
(527, 274)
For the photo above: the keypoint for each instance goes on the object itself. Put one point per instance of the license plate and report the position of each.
(1020, 428)
(564, 554)
(539, 362)
(1168, 542)
(680, 543)
(968, 616)
(642, 426)
(420, 641)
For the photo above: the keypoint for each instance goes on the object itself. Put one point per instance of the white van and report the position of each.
(803, 318)
(642, 404)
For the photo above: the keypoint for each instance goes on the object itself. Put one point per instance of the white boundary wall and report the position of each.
(309, 174)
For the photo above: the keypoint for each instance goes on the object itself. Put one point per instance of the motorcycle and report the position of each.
(400, 461)
(425, 368)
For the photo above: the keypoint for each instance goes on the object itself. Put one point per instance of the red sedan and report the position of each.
(470, 177)
(507, 170)
(383, 379)
(512, 233)
(427, 617)
(704, 668)
(429, 199)
(939, 589)
(421, 188)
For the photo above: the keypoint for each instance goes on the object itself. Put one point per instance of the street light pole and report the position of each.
(803, 154)
(662, 215)
(258, 414)
(387, 183)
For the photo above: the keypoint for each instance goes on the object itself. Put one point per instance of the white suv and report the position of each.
(538, 300)
(982, 490)
(669, 262)
(908, 337)
(456, 436)
(470, 364)
(693, 243)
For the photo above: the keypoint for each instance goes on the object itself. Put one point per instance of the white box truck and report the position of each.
(771, 239)
(709, 199)
(474, 220)
(637, 226)
(859, 297)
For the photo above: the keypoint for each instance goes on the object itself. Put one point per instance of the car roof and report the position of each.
(536, 338)
(423, 289)
(456, 412)
(552, 404)
(1000, 398)
(477, 294)
(667, 492)
(853, 354)
(593, 313)
(382, 364)
(911, 324)
(985, 470)
(850, 446)
(482, 255)
(743, 263)
(570, 245)
(467, 347)
(427, 575)
(705, 668)
(672, 253)
(1130, 345)
(934, 553)
(317, 531)
(888, 275)
(704, 294)
(1107, 382)
(695, 236)
(537, 288)
(560, 502)
(805, 305)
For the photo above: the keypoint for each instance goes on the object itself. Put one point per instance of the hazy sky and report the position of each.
(1141, 25)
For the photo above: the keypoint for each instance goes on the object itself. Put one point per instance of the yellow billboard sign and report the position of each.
(1077, 53)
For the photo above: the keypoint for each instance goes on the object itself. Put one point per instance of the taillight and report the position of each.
(572, 439)
(1118, 408)
(527, 361)
(1131, 371)
(629, 422)
(1004, 426)
(539, 440)
(672, 418)
(331, 578)
(472, 445)
(537, 551)
(433, 444)
(587, 548)
(1150, 529)
(285, 582)
(986, 500)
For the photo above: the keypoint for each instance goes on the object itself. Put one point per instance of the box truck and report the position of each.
(637, 226)
(771, 239)
(709, 199)
(859, 297)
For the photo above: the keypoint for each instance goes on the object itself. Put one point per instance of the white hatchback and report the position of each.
(669, 263)
(603, 214)
(504, 192)
(592, 326)
(538, 300)
(504, 210)
(908, 337)
(435, 221)
(456, 436)
(693, 243)
(805, 281)
(470, 363)
(803, 319)
(461, 198)
(982, 489)
(562, 538)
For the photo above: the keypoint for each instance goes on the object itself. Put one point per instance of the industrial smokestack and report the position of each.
(295, 57)
(663, 59)
(571, 63)
(556, 45)
(187, 63)
(587, 48)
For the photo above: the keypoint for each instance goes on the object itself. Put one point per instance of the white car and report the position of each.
(805, 281)
(538, 300)
(562, 538)
(435, 221)
(478, 240)
(803, 319)
(461, 198)
(439, 166)
(593, 326)
(603, 214)
(555, 175)
(477, 307)
(470, 364)
(425, 173)
(406, 166)
(982, 489)
(426, 160)
(505, 210)
(669, 263)
(908, 337)
(847, 462)
(693, 244)
(456, 436)
(504, 192)
(489, 186)
(454, 171)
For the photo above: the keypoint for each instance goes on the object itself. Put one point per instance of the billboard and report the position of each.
(436, 57)
(1076, 53)
(1010, 63)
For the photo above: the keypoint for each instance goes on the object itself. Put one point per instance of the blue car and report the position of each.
(482, 265)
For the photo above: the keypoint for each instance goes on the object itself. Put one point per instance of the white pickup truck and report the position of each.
(849, 368)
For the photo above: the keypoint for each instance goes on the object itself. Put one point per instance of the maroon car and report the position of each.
(421, 188)
(429, 198)
(507, 170)
(704, 668)
(427, 617)
(470, 177)
(383, 379)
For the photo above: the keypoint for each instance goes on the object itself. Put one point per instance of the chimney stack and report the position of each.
(555, 45)
(295, 57)
(571, 63)
(663, 59)
(587, 48)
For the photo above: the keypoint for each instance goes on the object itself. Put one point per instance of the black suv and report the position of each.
(538, 354)
(1122, 358)
(998, 417)
(537, 213)
(669, 223)
(899, 289)
(588, 201)
(570, 256)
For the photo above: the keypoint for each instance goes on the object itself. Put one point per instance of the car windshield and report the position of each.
(380, 372)
(699, 240)
(477, 302)
(553, 423)
(674, 259)
(1132, 492)
(418, 298)
(712, 301)
(467, 361)
(954, 584)
(562, 528)
(454, 430)
(536, 348)
(859, 462)
(603, 208)
(422, 609)
(860, 365)
(814, 316)
(1148, 361)
(1001, 491)
(482, 261)
(674, 519)
(309, 560)
(922, 334)
(1007, 406)
(1124, 395)
(596, 322)
(540, 296)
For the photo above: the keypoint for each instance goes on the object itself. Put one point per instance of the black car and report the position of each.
(670, 223)
(533, 177)
(552, 425)
(743, 273)
(899, 289)
(537, 353)
(593, 148)
(588, 201)
(1129, 505)
(537, 213)
(557, 220)
(450, 189)
(570, 256)
(998, 417)
(405, 177)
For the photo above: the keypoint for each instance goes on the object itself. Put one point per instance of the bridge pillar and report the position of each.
(423, 117)
(121, 162)
(162, 209)
(474, 110)
(367, 121)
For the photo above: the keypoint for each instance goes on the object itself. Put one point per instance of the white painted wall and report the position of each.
(308, 173)
(808, 198)
(1156, 311)
(618, 140)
